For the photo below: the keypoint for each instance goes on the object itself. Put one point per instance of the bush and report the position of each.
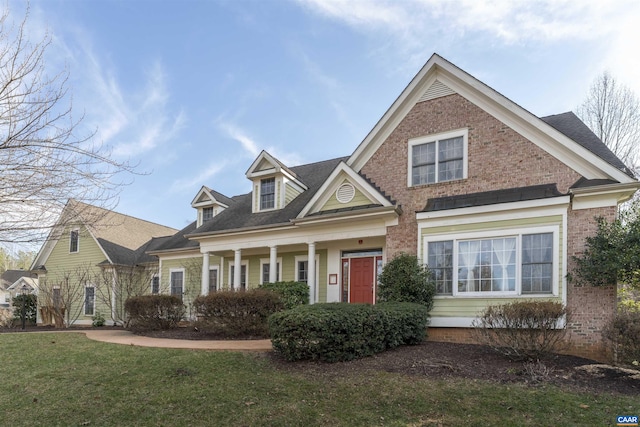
(624, 333)
(292, 294)
(237, 313)
(97, 320)
(338, 331)
(405, 279)
(522, 330)
(30, 308)
(6, 318)
(152, 312)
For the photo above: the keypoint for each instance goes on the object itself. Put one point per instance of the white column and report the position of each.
(221, 274)
(205, 274)
(237, 260)
(311, 273)
(273, 264)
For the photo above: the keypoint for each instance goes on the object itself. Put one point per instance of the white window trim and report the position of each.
(153, 277)
(84, 301)
(184, 279)
(515, 232)
(77, 230)
(306, 258)
(267, 261)
(464, 133)
(246, 264)
(275, 194)
(216, 268)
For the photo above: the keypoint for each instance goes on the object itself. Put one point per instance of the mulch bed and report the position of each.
(440, 360)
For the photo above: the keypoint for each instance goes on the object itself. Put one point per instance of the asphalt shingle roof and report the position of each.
(485, 198)
(570, 125)
(239, 215)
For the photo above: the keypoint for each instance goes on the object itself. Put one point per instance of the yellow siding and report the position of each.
(290, 194)
(359, 199)
(288, 270)
(83, 263)
(470, 307)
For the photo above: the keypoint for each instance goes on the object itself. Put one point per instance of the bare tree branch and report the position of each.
(43, 161)
(612, 112)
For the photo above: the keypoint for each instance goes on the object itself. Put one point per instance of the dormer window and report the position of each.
(267, 193)
(207, 214)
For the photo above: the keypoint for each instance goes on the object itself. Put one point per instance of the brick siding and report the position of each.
(498, 158)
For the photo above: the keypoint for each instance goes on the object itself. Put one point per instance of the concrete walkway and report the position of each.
(127, 338)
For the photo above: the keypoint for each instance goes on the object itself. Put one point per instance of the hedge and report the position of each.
(338, 331)
(151, 312)
(237, 313)
(292, 294)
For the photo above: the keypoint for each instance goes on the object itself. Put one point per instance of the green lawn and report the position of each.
(65, 379)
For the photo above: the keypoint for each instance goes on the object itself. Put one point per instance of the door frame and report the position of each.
(346, 274)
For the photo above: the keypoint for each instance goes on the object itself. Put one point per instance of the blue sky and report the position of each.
(194, 90)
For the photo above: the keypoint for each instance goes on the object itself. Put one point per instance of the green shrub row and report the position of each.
(338, 331)
(153, 312)
(292, 294)
(237, 313)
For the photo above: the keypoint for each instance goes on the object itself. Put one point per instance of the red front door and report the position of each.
(362, 273)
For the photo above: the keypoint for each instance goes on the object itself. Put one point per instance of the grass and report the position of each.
(67, 380)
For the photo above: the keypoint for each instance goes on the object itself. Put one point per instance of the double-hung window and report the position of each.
(438, 158)
(74, 238)
(89, 300)
(267, 193)
(155, 284)
(177, 283)
(514, 264)
(266, 269)
(207, 214)
(243, 275)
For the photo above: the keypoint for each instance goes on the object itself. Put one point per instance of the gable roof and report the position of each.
(439, 77)
(212, 195)
(11, 276)
(239, 214)
(570, 125)
(118, 235)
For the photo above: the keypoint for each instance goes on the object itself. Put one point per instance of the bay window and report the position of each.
(514, 264)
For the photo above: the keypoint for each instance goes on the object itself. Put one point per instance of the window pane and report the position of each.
(440, 262)
(207, 214)
(213, 280)
(176, 283)
(487, 265)
(302, 271)
(155, 285)
(89, 298)
(265, 273)
(423, 164)
(450, 149)
(267, 193)
(537, 263)
(73, 241)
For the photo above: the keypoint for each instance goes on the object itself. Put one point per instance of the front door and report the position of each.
(362, 273)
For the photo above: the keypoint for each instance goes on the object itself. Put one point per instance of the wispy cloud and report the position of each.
(199, 179)
(251, 146)
(239, 135)
(132, 123)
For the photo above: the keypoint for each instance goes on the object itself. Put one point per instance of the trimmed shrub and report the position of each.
(237, 313)
(292, 294)
(405, 279)
(522, 330)
(153, 312)
(338, 331)
(624, 333)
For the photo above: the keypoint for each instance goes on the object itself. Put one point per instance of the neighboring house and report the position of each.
(93, 263)
(15, 282)
(493, 199)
